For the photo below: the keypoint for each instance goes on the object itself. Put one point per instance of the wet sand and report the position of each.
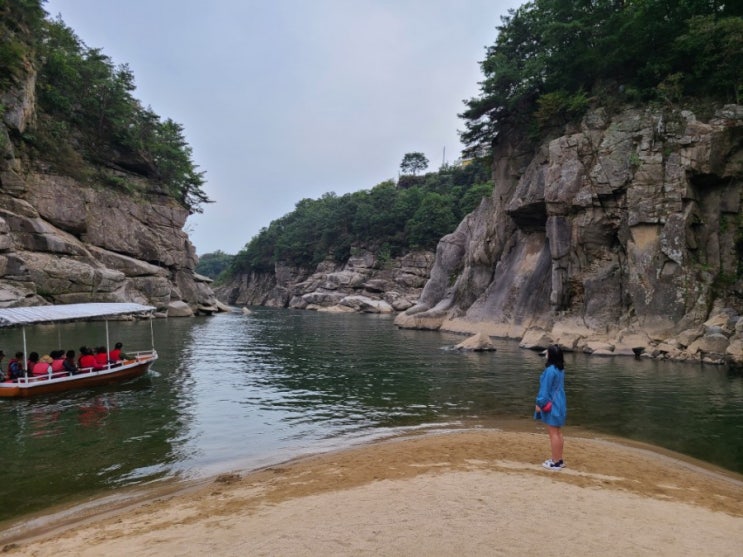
(471, 492)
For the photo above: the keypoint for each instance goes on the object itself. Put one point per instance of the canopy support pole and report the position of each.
(25, 351)
(152, 333)
(108, 343)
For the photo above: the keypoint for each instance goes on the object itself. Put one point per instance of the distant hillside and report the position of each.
(389, 220)
(368, 251)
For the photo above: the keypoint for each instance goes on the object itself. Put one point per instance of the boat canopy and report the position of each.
(66, 312)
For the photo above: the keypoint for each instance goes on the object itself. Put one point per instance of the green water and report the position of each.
(233, 391)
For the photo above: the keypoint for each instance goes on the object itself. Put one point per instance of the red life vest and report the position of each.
(101, 359)
(87, 361)
(40, 368)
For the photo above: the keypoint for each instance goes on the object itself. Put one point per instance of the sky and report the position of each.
(283, 100)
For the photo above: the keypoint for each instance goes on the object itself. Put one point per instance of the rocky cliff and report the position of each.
(363, 283)
(622, 236)
(62, 241)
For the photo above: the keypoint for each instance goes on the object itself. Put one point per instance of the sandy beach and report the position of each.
(470, 492)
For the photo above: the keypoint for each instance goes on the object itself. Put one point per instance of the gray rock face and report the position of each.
(63, 242)
(362, 284)
(623, 233)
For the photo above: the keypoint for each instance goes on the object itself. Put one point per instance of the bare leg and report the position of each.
(556, 442)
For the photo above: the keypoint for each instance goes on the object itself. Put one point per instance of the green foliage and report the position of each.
(413, 163)
(212, 265)
(549, 52)
(388, 220)
(713, 48)
(19, 20)
(433, 218)
(473, 196)
(560, 107)
(88, 121)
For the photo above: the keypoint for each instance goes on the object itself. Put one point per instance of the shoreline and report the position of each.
(385, 484)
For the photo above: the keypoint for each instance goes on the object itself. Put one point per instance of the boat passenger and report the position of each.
(86, 362)
(57, 361)
(82, 353)
(69, 363)
(43, 367)
(33, 359)
(15, 367)
(101, 358)
(116, 355)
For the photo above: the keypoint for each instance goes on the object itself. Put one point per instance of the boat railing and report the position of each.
(132, 358)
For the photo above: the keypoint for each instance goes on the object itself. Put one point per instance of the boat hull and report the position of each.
(40, 386)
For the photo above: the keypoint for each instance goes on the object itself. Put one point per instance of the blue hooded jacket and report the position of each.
(552, 389)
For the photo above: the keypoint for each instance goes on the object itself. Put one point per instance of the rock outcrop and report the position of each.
(362, 284)
(65, 242)
(622, 236)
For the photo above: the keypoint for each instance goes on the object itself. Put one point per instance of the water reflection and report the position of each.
(234, 390)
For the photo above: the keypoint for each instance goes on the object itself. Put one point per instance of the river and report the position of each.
(237, 391)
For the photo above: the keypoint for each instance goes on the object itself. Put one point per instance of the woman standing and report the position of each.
(552, 407)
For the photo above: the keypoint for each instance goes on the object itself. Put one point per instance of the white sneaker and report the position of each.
(549, 465)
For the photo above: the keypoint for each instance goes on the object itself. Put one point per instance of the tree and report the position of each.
(433, 219)
(412, 163)
(213, 264)
(553, 57)
(89, 120)
(387, 220)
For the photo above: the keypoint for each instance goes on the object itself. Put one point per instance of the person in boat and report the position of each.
(43, 365)
(57, 361)
(33, 359)
(101, 358)
(80, 357)
(68, 363)
(15, 367)
(116, 355)
(86, 362)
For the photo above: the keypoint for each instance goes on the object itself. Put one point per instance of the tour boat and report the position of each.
(135, 364)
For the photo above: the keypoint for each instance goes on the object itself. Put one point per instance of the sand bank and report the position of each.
(472, 492)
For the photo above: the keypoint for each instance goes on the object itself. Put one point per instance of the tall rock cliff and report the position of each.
(624, 235)
(62, 241)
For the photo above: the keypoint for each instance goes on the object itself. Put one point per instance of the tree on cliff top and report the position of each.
(550, 55)
(413, 163)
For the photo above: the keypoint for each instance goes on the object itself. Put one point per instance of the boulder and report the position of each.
(477, 343)
(365, 305)
(713, 346)
(536, 339)
(179, 308)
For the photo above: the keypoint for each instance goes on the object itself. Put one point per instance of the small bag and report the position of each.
(547, 407)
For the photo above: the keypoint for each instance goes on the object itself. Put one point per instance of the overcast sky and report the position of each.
(289, 99)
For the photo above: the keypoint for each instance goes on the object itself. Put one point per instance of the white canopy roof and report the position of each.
(66, 312)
